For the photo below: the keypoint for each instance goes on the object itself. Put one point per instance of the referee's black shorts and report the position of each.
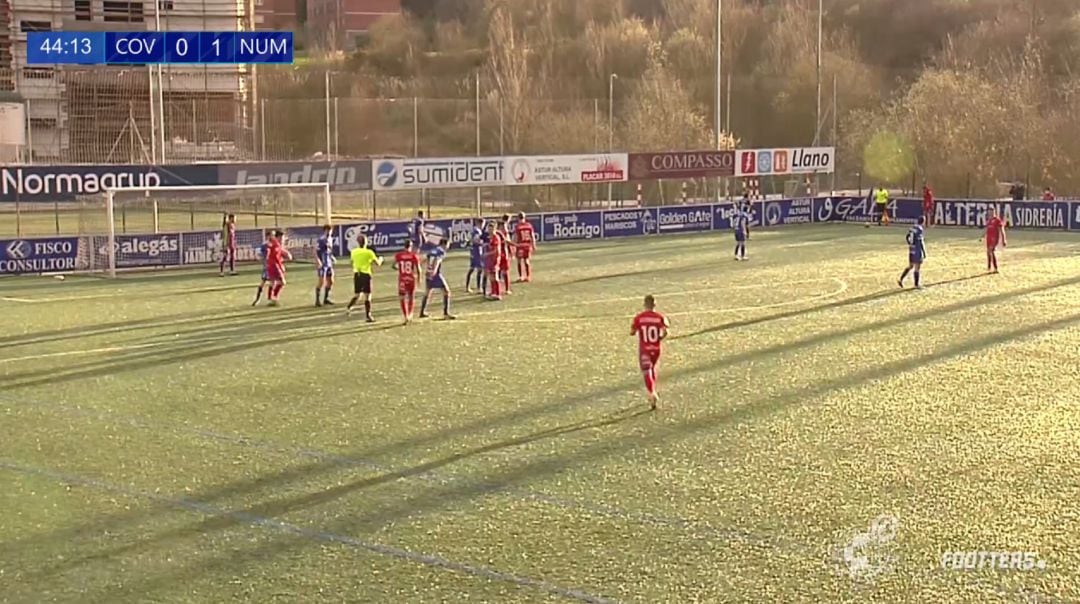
(361, 283)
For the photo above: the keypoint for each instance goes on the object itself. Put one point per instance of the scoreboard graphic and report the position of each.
(158, 47)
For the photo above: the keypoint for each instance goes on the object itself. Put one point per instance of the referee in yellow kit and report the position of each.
(364, 261)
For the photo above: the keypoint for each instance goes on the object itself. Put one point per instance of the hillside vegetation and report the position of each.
(966, 93)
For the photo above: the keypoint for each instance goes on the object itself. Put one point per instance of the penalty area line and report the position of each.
(706, 290)
(842, 287)
(278, 526)
(90, 351)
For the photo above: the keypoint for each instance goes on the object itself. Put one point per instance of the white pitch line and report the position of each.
(842, 287)
(122, 294)
(69, 353)
(707, 290)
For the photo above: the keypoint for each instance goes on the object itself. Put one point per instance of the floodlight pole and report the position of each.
(611, 123)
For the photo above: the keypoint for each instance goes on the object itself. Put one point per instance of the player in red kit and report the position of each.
(651, 328)
(228, 245)
(928, 203)
(525, 237)
(493, 259)
(995, 234)
(407, 264)
(507, 252)
(276, 255)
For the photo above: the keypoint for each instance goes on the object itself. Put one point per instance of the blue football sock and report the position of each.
(468, 278)
(916, 278)
(423, 306)
(446, 304)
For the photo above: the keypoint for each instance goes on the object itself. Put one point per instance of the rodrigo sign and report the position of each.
(566, 169)
(799, 160)
(681, 164)
(448, 172)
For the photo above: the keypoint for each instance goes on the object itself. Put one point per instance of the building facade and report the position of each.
(114, 114)
(336, 24)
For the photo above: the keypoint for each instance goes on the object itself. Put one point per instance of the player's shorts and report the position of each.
(406, 288)
(491, 264)
(476, 262)
(274, 274)
(740, 236)
(437, 282)
(230, 252)
(991, 243)
(361, 283)
(504, 263)
(524, 252)
(648, 359)
(916, 257)
(326, 271)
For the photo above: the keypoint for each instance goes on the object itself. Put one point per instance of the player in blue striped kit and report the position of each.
(916, 252)
(477, 241)
(741, 223)
(324, 266)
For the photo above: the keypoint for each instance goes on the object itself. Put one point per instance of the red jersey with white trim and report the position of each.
(507, 243)
(496, 246)
(995, 230)
(525, 235)
(274, 255)
(650, 327)
(407, 264)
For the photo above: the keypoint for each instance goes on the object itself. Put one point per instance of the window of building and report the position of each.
(38, 73)
(82, 10)
(117, 11)
(28, 26)
(165, 4)
(43, 122)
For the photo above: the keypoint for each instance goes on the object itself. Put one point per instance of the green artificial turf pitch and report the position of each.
(164, 442)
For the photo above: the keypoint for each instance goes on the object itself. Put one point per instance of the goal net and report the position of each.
(144, 227)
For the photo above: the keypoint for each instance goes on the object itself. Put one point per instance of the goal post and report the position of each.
(181, 225)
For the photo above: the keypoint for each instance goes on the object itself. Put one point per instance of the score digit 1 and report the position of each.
(182, 47)
(217, 47)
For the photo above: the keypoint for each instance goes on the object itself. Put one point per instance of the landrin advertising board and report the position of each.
(566, 169)
(780, 162)
(681, 164)
(342, 175)
(438, 173)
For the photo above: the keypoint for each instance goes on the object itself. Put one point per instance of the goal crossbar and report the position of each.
(111, 193)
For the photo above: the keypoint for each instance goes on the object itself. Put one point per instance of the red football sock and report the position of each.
(528, 271)
(650, 381)
(277, 290)
(405, 307)
(495, 287)
(506, 279)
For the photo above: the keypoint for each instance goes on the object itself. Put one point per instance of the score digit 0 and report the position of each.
(182, 47)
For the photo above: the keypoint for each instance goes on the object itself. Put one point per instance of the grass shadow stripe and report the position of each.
(313, 535)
